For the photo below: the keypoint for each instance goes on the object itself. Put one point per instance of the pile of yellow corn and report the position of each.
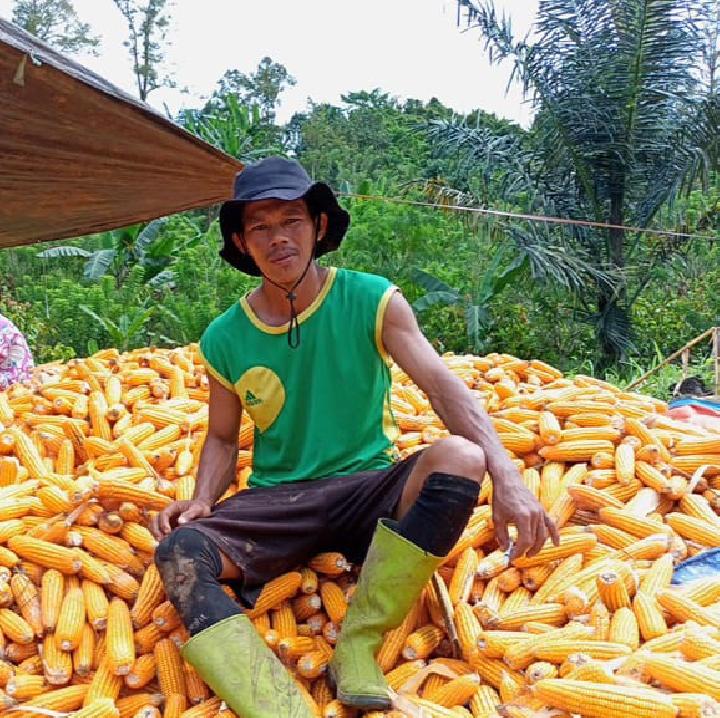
(591, 627)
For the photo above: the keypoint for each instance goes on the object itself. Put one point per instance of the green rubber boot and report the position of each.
(393, 576)
(234, 661)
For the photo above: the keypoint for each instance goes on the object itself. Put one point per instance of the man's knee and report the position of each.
(456, 455)
(182, 555)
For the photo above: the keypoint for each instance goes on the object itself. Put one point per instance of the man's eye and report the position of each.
(258, 228)
(292, 220)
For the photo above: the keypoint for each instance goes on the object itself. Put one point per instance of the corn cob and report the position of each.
(104, 684)
(333, 601)
(197, 691)
(46, 554)
(15, 627)
(599, 701)
(422, 642)
(330, 564)
(312, 664)
(142, 672)
(149, 597)
(25, 687)
(455, 693)
(394, 640)
(83, 656)
(96, 605)
(275, 592)
(169, 668)
(28, 601)
(71, 619)
(695, 529)
(569, 545)
(284, 621)
(680, 676)
(682, 609)
(650, 619)
(165, 617)
(120, 643)
(484, 703)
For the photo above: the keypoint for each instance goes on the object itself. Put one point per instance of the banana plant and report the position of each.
(146, 245)
(476, 306)
(131, 325)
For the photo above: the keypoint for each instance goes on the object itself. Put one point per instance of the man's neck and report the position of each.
(271, 305)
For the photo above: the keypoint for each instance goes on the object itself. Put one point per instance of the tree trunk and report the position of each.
(614, 321)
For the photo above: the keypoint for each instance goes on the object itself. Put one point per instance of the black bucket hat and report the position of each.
(278, 178)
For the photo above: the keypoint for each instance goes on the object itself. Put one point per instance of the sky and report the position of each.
(409, 48)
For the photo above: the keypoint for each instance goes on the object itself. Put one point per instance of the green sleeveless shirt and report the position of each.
(322, 409)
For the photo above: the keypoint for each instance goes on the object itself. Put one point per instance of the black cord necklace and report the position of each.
(293, 334)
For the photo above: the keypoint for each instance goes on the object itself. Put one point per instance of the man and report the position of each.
(307, 355)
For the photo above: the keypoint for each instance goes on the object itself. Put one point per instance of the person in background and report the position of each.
(16, 361)
(694, 403)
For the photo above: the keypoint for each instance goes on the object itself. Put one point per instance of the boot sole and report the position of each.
(367, 703)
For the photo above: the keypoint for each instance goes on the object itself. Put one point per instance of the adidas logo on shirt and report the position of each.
(251, 399)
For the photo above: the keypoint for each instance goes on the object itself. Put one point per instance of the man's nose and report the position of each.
(278, 235)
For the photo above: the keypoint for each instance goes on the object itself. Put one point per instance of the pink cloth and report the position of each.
(16, 361)
(698, 416)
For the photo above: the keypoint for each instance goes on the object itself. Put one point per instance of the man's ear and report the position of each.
(322, 226)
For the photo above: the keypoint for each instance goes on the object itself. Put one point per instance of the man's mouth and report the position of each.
(282, 258)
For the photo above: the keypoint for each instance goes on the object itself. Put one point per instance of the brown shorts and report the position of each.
(268, 531)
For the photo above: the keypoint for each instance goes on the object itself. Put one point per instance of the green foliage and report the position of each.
(56, 23)
(261, 88)
(477, 284)
(476, 306)
(148, 22)
(235, 128)
(622, 127)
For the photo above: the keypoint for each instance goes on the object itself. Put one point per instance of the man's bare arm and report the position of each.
(454, 404)
(463, 415)
(219, 455)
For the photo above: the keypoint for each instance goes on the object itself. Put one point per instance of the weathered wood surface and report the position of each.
(78, 155)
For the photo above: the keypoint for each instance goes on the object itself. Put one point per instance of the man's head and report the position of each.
(692, 386)
(280, 236)
(276, 205)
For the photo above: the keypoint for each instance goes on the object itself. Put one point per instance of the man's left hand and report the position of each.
(513, 503)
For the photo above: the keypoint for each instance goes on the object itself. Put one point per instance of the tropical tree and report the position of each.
(56, 23)
(234, 128)
(622, 127)
(148, 23)
(262, 87)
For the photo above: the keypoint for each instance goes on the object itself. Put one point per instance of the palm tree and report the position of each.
(622, 127)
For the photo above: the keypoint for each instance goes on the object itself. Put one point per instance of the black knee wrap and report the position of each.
(437, 518)
(190, 564)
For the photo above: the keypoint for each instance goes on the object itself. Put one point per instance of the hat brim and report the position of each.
(319, 196)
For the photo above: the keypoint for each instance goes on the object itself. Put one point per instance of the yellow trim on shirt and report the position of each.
(214, 373)
(380, 321)
(306, 314)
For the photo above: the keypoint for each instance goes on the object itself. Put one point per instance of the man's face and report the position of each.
(279, 235)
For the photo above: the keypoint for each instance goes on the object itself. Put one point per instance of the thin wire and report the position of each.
(531, 217)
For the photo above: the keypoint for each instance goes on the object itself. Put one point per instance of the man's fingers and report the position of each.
(553, 529)
(540, 534)
(154, 528)
(195, 511)
(501, 533)
(164, 521)
(526, 535)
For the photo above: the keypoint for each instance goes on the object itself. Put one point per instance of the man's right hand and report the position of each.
(178, 513)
